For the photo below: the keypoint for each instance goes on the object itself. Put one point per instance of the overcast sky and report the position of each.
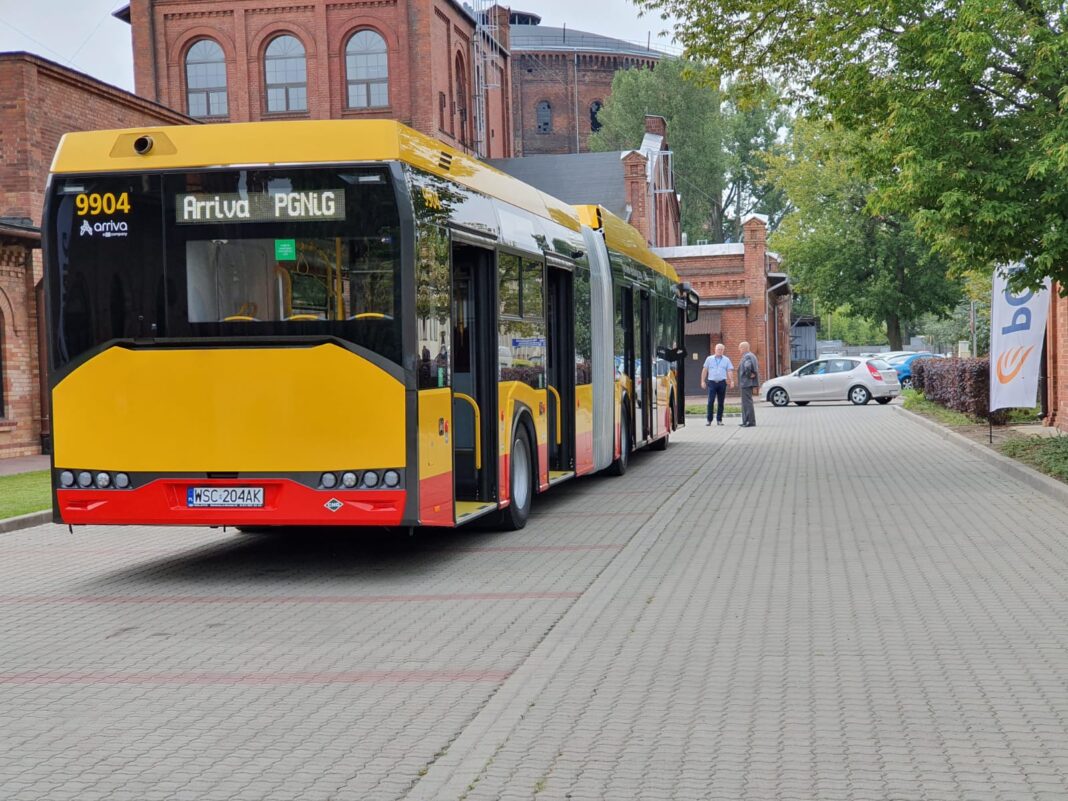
(82, 33)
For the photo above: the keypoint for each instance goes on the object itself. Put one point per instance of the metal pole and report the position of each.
(975, 350)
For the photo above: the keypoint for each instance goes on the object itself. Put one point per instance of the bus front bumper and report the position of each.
(165, 502)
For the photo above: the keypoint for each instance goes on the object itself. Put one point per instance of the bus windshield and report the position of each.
(241, 253)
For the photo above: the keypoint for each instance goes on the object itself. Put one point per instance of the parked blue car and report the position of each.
(903, 365)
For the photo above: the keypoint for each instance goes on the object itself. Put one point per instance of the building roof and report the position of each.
(541, 38)
(576, 178)
(20, 230)
(99, 87)
(697, 251)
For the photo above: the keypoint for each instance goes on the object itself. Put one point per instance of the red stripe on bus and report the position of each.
(286, 503)
(435, 500)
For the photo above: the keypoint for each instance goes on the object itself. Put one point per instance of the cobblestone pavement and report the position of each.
(752, 615)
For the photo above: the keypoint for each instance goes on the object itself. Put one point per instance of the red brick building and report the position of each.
(744, 297)
(427, 63)
(39, 102)
(560, 80)
(1057, 361)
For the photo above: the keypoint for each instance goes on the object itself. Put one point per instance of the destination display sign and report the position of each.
(308, 205)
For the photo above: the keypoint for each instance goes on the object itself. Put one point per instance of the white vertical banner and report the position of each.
(1017, 328)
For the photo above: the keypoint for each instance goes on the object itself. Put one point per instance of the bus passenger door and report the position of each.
(560, 372)
(627, 319)
(646, 356)
(474, 358)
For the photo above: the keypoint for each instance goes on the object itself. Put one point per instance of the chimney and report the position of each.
(499, 17)
(656, 124)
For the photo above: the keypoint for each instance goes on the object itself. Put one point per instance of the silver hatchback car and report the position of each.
(835, 378)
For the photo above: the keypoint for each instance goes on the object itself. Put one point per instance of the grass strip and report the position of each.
(1047, 454)
(916, 402)
(24, 493)
(702, 410)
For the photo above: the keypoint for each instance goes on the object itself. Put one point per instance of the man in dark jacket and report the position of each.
(748, 380)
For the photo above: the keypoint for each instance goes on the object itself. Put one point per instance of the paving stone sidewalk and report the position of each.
(755, 614)
(800, 630)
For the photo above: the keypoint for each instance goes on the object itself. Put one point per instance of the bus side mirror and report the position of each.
(692, 303)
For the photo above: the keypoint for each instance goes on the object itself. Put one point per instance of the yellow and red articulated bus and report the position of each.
(332, 323)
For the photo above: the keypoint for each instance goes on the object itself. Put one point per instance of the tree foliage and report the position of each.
(838, 249)
(717, 141)
(962, 100)
(675, 91)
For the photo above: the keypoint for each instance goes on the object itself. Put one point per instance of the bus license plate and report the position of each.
(225, 497)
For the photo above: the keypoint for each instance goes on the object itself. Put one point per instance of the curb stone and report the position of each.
(25, 521)
(1048, 486)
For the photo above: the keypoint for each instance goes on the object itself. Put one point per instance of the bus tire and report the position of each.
(660, 444)
(671, 407)
(619, 466)
(520, 482)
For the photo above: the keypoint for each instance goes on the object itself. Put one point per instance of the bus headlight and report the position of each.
(328, 480)
(370, 479)
(391, 478)
(85, 478)
(66, 478)
(348, 480)
(102, 480)
(122, 481)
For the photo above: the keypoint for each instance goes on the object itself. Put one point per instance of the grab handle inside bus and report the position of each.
(559, 409)
(478, 426)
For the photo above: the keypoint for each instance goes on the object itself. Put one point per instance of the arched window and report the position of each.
(367, 70)
(545, 117)
(205, 80)
(595, 106)
(287, 75)
(461, 98)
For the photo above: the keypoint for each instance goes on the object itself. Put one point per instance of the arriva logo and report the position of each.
(1011, 362)
(107, 228)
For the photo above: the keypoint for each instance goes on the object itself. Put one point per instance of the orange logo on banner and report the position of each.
(1013, 358)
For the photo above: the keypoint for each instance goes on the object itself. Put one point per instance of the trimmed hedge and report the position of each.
(918, 368)
(959, 384)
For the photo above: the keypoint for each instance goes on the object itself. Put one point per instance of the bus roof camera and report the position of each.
(142, 145)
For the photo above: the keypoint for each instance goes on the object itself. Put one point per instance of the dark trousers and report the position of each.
(748, 415)
(716, 390)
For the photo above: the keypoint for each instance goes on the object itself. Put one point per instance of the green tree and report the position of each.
(962, 100)
(718, 141)
(752, 125)
(837, 249)
(679, 92)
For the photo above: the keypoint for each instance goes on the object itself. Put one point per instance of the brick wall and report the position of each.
(427, 41)
(737, 275)
(567, 81)
(1057, 360)
(39, 102)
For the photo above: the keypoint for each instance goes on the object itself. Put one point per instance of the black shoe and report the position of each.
(719, 422)
(708, 423)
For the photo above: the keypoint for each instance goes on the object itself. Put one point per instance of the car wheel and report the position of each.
(801, 403)
(906, 383)
(619, 466)
(520, 482)
(778, 397)
(882, 401)
(859, 395)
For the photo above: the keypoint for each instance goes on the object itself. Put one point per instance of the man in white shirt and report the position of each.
(717, 371)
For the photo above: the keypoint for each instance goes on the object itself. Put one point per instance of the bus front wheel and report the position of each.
(520, 482)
